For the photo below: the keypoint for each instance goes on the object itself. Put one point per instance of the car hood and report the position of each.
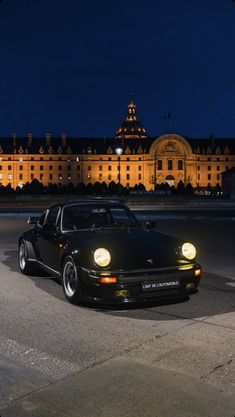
(133, 249)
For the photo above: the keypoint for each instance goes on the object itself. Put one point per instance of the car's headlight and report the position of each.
(189, 251)
(102, 257)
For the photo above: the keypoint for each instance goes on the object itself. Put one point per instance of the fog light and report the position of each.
(121, 293)
(190, 285)
(108, 280)
(197, 272)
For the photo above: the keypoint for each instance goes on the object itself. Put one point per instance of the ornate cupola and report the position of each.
(131, 128)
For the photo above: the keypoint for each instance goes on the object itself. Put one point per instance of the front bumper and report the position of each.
(140, 285)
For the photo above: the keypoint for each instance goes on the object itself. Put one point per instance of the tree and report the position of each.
(180, 189)
(189, 189)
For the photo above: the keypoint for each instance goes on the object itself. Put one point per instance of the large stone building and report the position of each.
(147, 160)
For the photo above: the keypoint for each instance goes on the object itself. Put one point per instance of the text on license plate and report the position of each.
(152, 285)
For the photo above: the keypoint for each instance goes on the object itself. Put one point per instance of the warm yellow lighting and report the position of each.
(102, 257)
(197, 272)
(189, 251)
(108, 280)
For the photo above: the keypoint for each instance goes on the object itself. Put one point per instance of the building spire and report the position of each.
(131, 128)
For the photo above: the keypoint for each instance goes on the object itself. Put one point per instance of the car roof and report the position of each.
(91, 201)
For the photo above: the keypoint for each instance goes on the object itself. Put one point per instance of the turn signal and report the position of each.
(197, 272)
(108, 280)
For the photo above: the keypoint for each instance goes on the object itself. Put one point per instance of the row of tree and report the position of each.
(36, 187)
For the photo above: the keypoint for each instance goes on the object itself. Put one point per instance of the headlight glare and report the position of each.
(189, 251)
(102, 257)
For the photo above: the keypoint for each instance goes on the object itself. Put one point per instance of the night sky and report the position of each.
(70, 66)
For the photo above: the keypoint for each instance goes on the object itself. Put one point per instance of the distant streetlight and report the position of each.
(118, 152)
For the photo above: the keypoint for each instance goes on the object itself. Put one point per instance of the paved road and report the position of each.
(156, 361)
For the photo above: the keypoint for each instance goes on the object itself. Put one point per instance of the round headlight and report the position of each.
(189, 251)
(102, 257)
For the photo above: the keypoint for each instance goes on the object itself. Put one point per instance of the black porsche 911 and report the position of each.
(102, 254)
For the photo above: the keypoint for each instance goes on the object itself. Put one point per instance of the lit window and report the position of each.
(0, 176)
(21, 159)
(41, 177)
(9, 176)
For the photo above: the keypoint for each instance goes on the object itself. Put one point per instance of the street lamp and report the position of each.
(118, 152)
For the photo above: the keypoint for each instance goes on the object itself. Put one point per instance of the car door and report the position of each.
(48, 239)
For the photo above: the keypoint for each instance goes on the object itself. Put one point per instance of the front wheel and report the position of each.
(25, 265)
(70, 281)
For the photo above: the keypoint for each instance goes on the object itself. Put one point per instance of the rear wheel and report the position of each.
(25, 265)
(70, 281)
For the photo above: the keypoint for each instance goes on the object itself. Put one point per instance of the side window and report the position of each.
(42, 218)
(52, 215)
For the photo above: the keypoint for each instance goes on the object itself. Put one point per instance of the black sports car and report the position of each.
(101, 253)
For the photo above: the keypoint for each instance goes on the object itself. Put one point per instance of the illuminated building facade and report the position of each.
(145, 160)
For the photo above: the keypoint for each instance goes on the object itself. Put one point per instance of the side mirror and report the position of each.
(33, 220)
(149, 225)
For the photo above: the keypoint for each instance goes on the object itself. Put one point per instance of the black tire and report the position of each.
(25, 265)
(70, 281)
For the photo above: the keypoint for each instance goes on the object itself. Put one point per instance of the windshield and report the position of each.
(85, 216)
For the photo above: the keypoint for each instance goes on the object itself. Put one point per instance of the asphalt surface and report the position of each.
(161, 360)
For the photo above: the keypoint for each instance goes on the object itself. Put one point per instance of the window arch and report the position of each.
(180, 165)
(170, 164)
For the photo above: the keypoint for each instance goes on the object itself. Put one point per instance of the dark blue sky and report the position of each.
(70, 65)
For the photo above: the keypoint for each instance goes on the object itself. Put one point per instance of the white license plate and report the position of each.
(154, 285)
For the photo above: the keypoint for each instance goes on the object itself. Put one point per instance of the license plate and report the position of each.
(153, 285)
